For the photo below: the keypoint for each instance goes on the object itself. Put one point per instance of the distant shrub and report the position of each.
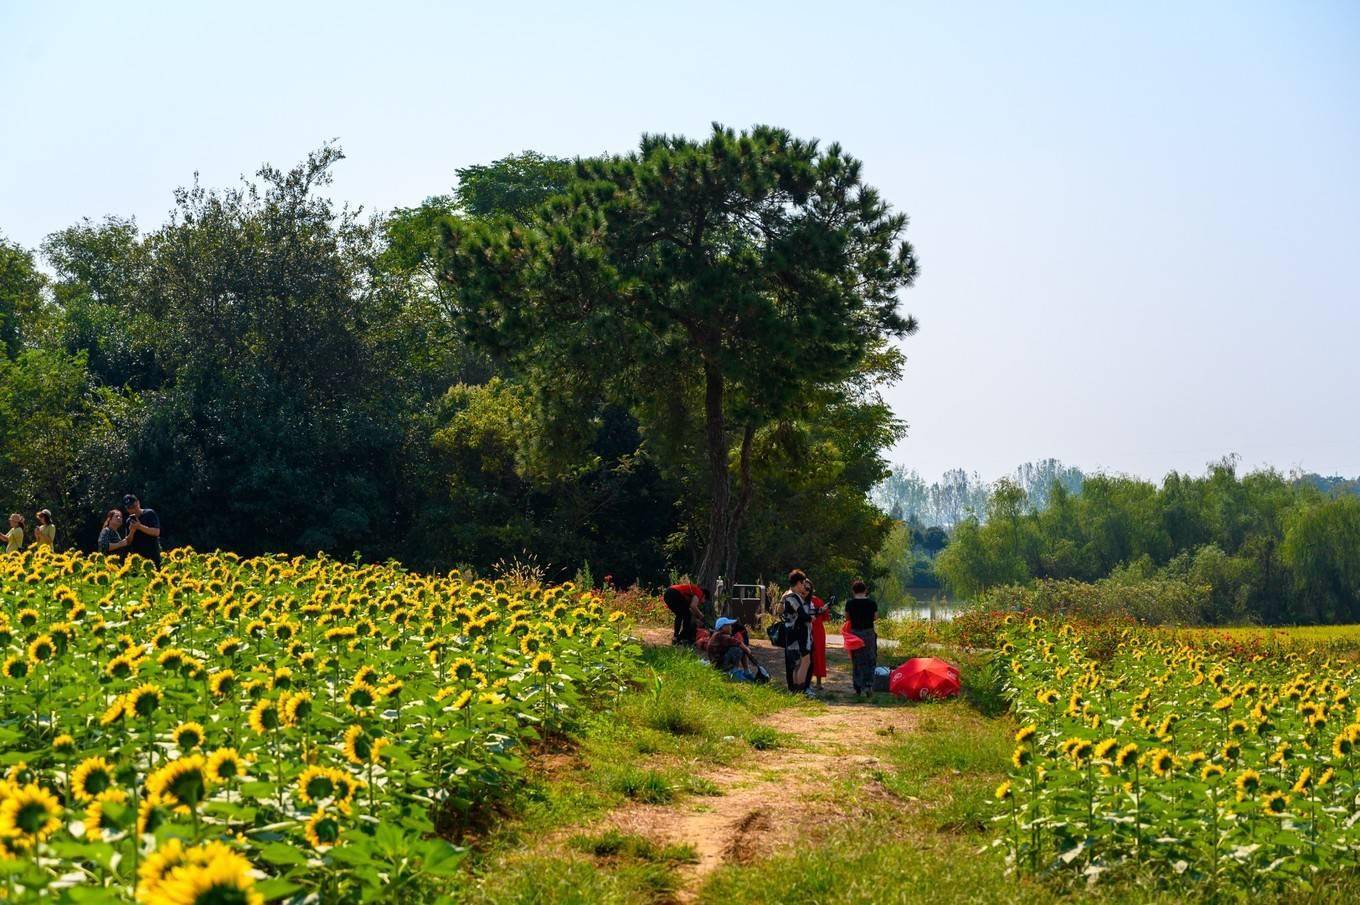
(1150, 601)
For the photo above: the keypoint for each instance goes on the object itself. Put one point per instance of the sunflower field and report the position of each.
(1142, 753)
(238, 731)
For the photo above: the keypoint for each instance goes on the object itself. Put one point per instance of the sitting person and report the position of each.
(727, 650)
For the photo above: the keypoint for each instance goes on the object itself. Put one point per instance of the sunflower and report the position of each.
(1342, 745)
(224, 764)
(28, 815)
(361, 696)
(171, 659)
(1021, 756)
(92, 777)
(1047, 696)
(188, 736)
(41, 649)
(358, 745)
(1079, 750)
(64, 743)
(212, 873)
(1305, 780)
(1247, 782)
(1161, 762)
(1004, 791)
(1210, 772)
(297, 707)
(1104, 748)
(462, 669)
(317, 784)
(282, 679)
(543, 664)
(184, 779)
(15, 667)
(1275, 803)
(264, 716)
(114, 712)
(142, 701)
(123, 666)
(221, 683)
(1232, 750)
(322, 830)
(94, 813)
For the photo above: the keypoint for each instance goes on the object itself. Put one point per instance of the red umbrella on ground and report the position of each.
(925, 677)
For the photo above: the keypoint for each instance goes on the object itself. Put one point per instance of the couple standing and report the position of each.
(800, 612)
(143, 535)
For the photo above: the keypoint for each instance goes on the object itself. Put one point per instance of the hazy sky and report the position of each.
(1137, 228)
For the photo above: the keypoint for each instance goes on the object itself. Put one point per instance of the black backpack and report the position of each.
(779, 633)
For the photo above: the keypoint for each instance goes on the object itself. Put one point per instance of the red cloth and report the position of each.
(925, 677)
(849, 640)
(689, 590)
(819, 639)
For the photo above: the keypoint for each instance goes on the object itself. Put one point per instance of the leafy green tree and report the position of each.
(1322, 548)
(706, 285)
(21, 300)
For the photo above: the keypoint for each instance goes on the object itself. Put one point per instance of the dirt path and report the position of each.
(762, 803)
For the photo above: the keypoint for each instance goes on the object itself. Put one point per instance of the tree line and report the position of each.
(1256, 547)
(665, 361)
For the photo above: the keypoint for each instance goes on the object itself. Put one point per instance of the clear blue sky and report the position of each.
(1137, 227)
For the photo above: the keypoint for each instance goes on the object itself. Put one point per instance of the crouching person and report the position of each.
(727, 650)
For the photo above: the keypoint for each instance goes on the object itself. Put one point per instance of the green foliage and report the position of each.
(662, 280)
(271, 371)
(1215, 549)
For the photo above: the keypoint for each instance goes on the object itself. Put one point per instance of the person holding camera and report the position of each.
(143, 530)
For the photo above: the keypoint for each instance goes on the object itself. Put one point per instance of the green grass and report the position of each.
(614, 844)
(651, 748)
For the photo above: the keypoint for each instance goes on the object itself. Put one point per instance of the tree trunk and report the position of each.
(719, 521)
(738, 510)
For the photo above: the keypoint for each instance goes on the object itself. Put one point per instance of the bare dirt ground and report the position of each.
(764, 803)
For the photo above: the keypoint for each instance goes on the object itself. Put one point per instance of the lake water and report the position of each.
(929, 603)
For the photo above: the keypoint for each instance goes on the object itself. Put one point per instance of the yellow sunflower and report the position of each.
(91, 778)
(184, 779)
(28, 815)
(264, 716)
(322, 830)
(188, 736)
(224, 764)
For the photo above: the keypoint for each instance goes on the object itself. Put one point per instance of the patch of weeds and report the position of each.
(675, 717)
(647, 742)
(615, 844)
(700, 785)
(647, 786)
(762, 738)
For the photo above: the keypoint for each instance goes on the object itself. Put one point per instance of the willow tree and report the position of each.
(706, 285)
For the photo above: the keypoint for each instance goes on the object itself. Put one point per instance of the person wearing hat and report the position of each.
(726, 650)
(143, 530)
(45, 535)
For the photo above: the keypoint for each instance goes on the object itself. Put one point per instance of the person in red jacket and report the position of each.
(684, 601)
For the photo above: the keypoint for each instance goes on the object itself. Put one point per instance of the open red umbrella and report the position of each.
(925, 677)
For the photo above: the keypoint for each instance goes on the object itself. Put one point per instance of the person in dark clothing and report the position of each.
(796, 611)
(684, 600)
(861, 610)
(143, 530)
